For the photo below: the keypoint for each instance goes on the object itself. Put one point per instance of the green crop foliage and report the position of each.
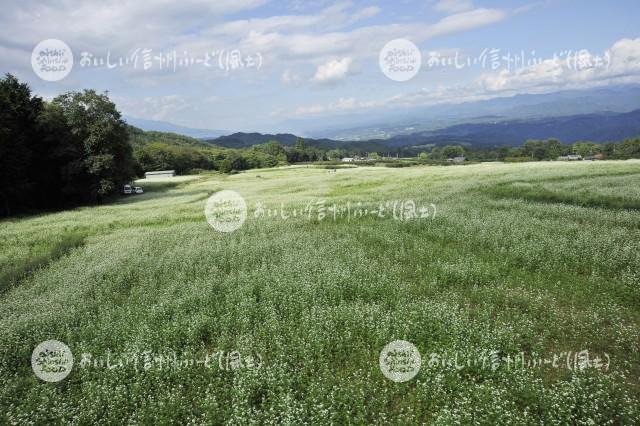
(541, 258)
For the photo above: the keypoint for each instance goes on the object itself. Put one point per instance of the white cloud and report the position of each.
(319, 47)
(365, 13)
(111, 23)
(342, 104)
(620, 64)
(320, 37)
(333, 71)
(290, 78)
(464, 21)
(329, 19)
(625, 56)
(198, 26)
(155, 107)
(453, 6)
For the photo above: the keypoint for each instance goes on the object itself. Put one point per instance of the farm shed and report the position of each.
(457, 159)
(160, 174)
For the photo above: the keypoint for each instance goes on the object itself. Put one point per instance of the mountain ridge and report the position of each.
(596, 127)
(167, 127)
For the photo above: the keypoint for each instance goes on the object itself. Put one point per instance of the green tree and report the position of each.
(585, 148)
(275, 149)
(18, 130)
(299, 145)
(609, 149)
(336, 154)
(225, 166)
(534, 149)
(59, 172)
(107, 154)
(553, 149)
(630, 148)
(436, 153)
(451, 151)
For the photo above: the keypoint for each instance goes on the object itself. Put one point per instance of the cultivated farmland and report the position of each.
(539, 260)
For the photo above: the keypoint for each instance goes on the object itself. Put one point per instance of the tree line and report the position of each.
(538, 150)
(189, 158)
(71, 150)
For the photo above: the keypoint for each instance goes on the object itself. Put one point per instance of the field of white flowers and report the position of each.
(283, 320)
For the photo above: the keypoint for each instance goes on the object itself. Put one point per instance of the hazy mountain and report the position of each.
(245, 140)
(611, 113)
(139, 137)
(386, 124)
(600, 127)
(163, 126)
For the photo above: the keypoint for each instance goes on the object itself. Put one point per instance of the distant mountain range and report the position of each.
(611, 113)
(599, 127)
(245, 140)
(163, 126)
(390, 122)
(385, 124)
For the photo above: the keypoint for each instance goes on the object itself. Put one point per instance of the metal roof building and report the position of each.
(160, 174)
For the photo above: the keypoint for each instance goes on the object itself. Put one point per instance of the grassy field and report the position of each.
(540, 259)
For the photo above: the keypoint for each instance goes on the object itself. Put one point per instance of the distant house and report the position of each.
(457, 160)
(347, 160)
(571, 157)
(160, 174)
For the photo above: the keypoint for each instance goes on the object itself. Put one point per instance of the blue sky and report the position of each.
(319, 59)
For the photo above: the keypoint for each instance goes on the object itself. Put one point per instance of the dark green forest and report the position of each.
(72, 150)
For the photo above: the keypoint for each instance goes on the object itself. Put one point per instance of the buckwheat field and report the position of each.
(519, 284)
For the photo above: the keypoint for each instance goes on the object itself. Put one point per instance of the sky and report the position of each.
(260, 65)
